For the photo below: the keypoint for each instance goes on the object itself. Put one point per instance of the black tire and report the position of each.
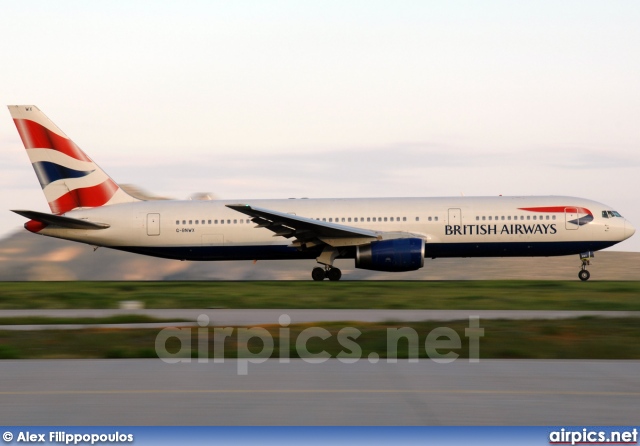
(318, 274)
(584, 275)
(334, 274)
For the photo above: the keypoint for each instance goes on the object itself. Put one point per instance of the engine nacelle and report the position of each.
(402, 254)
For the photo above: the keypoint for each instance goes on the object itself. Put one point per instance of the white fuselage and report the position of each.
(451, 226)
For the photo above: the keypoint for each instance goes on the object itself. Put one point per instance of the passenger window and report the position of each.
(184, 222)
(342, 219)
(331, 220)
(553, 217)
(349, 219)
(502, 218)
(235, 222)
(534, 217)
(385, 219)
(215, 222)
(490, 217)
(508, 217)
(404, 218)
(221, 222)
(177, 222)
(197, 221)
(190, 222)
(417, 218)
(484, 218)
(528, 217)
(477, 217)
(391, 218)
(368, 218)
(209, 221)
(522, 217)
(429, 218)
(435, 218)
(228, 222)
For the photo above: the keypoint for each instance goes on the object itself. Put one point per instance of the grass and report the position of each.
(467, 295)
(119, 319)
(584, 338)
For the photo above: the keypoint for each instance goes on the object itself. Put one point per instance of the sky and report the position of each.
(279, 99)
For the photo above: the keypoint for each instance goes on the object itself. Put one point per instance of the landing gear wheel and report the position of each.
(334, 274)
(584, 275)
(318, 274)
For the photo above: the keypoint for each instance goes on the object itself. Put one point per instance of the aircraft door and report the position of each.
(153, 224)
(571, 218)
(455, 217)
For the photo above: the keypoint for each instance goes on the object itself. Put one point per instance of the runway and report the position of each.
(151, 392)
(233, 317)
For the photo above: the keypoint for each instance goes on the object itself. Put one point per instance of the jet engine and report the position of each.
(402, 254)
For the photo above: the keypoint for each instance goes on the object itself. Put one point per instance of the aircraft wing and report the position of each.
(58, 220)
(307, 231)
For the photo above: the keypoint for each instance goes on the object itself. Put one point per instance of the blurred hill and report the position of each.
(26, 256)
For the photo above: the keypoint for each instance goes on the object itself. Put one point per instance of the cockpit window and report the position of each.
(605, 214)
(610, 214)
(616, 214)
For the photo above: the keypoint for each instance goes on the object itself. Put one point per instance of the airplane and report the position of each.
(380, 234)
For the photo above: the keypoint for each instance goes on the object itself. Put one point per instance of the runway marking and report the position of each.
(327, 391)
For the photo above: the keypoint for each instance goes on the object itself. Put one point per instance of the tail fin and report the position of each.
(69, 178)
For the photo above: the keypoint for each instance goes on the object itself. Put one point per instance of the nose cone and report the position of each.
(629, 230)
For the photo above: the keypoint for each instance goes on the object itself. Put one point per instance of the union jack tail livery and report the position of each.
(69, 178)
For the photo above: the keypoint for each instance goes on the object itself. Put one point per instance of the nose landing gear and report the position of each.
(585, 257)
(584, 274)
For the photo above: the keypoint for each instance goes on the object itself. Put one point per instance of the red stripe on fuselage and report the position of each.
(35, 136)
(557, 209)
(86, 197)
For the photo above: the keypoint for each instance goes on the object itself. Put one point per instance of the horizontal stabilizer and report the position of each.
(57, 220)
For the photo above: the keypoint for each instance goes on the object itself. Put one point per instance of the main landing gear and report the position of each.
(584, 258)
(329, 272)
